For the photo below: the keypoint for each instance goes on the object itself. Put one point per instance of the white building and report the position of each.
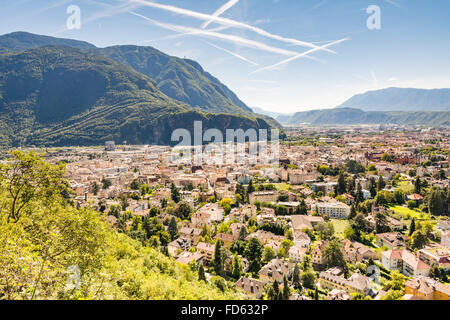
(297, 253)
(335, 210)
(445, 240)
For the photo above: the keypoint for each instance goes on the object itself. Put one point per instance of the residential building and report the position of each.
(300, 222)
(297, 253)
(435, 255)
(335, 210)
(426, 288)
(334, 279)
(301, 239)
(263, 196)
(275, 270)
(181, 243)
(357, 252)
(252, 287)
(392, 240)
(405, 262)
(318, 253)
(207, 250)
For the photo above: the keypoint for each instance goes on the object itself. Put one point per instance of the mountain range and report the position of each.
(403, 106)
(401, 99)
(350, 116)
(57, 92)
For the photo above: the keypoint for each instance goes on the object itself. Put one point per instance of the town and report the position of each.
(359, 213)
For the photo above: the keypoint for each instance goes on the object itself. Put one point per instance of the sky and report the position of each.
(280, 55)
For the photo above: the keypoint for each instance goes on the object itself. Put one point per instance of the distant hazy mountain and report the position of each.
(401, 99)
(59, 96)
(355, 116)
(180, 79)
(268, 113)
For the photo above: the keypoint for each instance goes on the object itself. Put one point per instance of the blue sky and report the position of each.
(248, 40)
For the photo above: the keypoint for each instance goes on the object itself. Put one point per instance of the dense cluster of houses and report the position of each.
(106, 175)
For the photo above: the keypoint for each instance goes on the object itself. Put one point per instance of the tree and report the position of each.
(114, 210)
(381, 184)
(359, 194)
(124, 202)
(135, 185)
(296, 282)
(412, 227)
(106, 183)
(418, 240)
(334, 255)
(302, 209)
(286, 291)
(418, 186)
(399, 197)
(372, 187)
(218, 262)
(276, 289)
(173, 228)
(253, 253)
(353, 212)
(268, 254)
(436, 202)
(183, 211)
(243, 233)
(201, 274)
(308, 279)
(95, 188)
(219, 283)
(175, 194)
(341, 186)
(237, 267)
(250, 188)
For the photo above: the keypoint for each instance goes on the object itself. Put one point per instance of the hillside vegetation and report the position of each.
(52, 250)
(57, 96)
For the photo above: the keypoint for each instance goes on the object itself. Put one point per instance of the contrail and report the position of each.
(227, 37)
(179, 35)
(233, 54)
(230, 23)
(298, 56)
(220, 11)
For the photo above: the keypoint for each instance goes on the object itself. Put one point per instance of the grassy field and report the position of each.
(408, 214)
(339, 227)
(283, 186)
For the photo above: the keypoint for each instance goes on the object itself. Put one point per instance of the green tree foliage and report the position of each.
(286, 290)
(342, 184)
(253, 253)
(106, 183)
(334, 255)
(175, 194)
(173, 228)
(237, 267)
(183, 211)
(218, 261)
